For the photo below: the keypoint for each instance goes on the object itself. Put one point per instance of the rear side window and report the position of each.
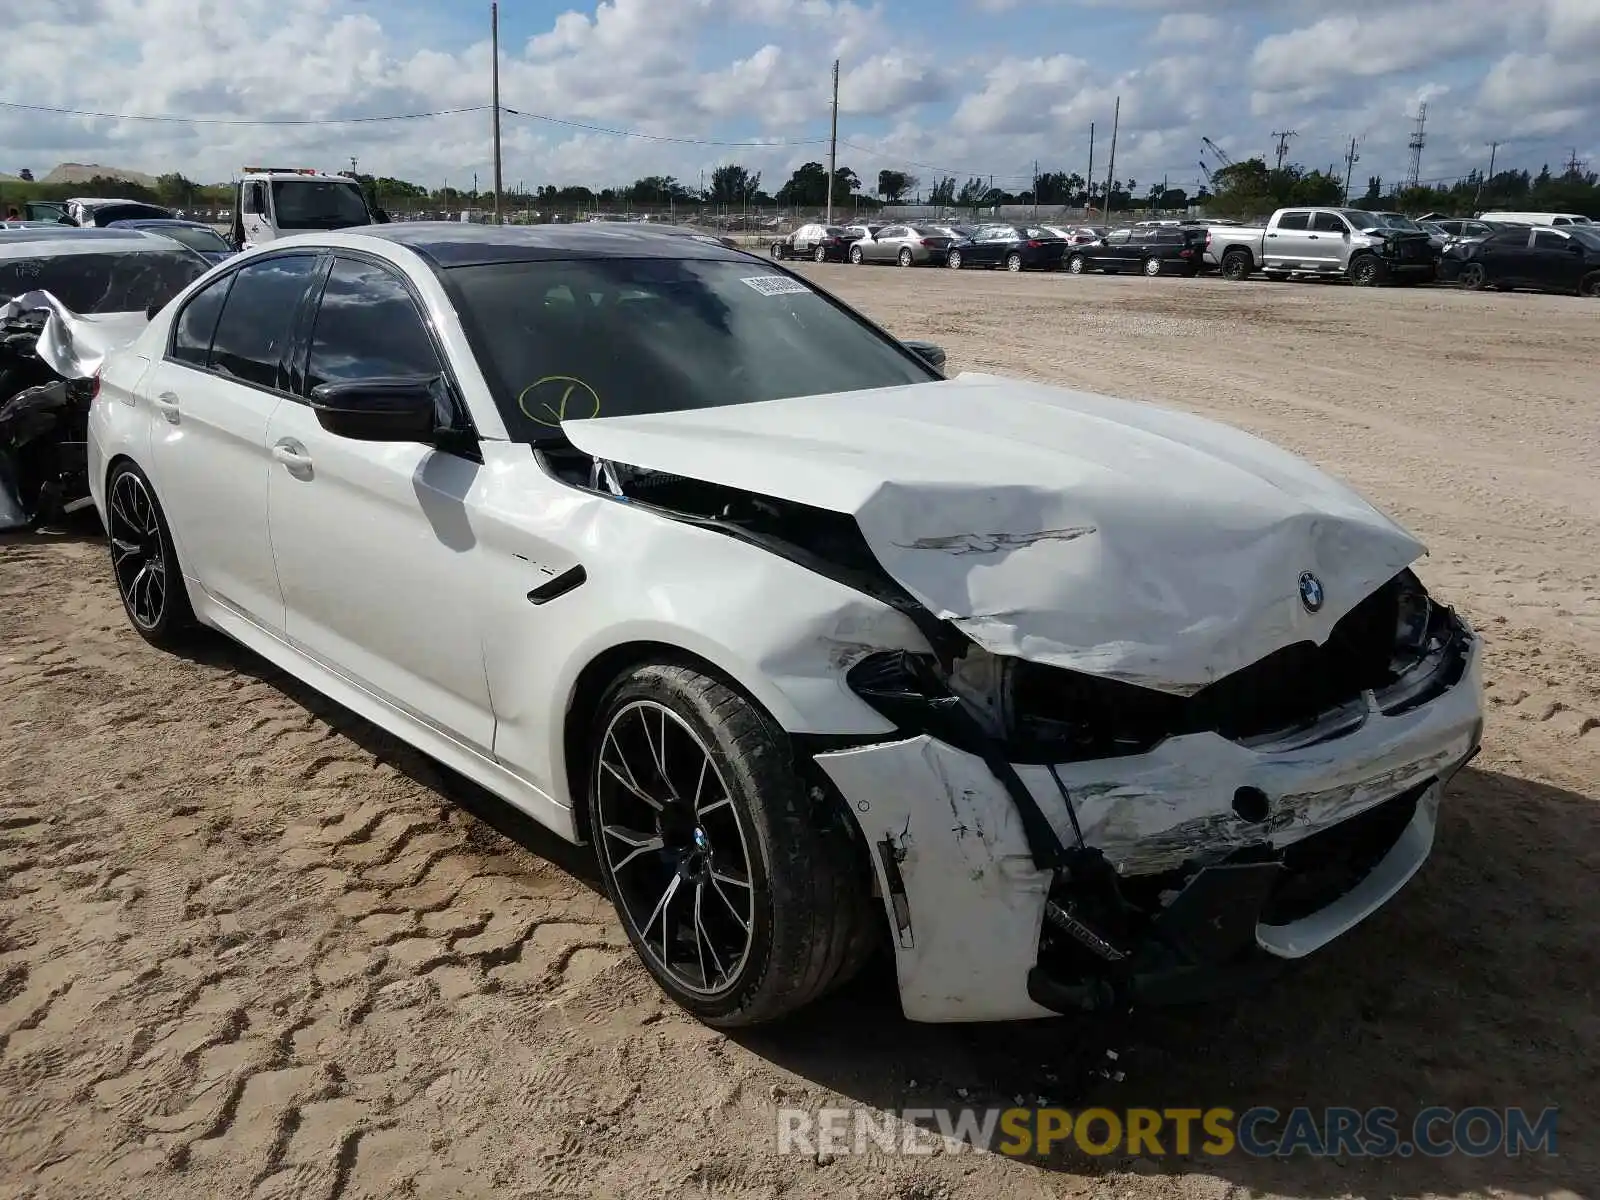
(197, 323)
(257, 318)
(367, 326)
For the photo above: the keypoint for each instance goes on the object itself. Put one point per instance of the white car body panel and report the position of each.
(1099, 535)
(1105, 537)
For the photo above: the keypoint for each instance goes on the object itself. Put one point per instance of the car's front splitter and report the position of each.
(967, 904)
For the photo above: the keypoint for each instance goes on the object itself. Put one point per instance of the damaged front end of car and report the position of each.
(1206, 836)
(1051, 838)
(43, 429)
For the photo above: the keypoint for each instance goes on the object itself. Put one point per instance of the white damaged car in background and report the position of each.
(68, 297)
(1072, 702)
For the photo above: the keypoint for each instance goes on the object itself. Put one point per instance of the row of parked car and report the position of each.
(1150, 249)
(1546, 252)
(48, 218)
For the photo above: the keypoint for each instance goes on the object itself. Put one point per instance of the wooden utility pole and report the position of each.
(1088, 180)
(833, 141)
(1111, 171)
(494, 44)
(1350, 161)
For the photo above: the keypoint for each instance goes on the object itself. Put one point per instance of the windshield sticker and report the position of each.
(775, 285)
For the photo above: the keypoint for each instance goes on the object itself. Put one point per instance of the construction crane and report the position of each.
(1205, 172)
(1222, 156)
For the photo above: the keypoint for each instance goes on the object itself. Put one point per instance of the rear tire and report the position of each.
(821, 255)
(763, 883)
(1236, 265)
(906, 257)
(1013, 262)
(144, 560)
(1152, 267)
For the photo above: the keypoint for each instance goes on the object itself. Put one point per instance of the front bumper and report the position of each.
(967, 904)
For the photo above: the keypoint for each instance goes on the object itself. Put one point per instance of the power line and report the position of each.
(169, 120)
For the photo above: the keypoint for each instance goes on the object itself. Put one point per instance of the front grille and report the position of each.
(1288, 688)
(1320, 869)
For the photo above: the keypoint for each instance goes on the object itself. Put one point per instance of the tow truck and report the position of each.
(275, 202)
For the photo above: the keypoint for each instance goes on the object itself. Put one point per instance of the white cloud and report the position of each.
(923, 80)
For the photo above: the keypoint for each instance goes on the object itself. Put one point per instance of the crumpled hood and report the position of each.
(1105, 536)
(71, 344)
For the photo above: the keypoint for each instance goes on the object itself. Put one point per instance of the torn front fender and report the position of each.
(963, 898)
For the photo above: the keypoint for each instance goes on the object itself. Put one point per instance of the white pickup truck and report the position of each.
(1369, 249)
(274, 202)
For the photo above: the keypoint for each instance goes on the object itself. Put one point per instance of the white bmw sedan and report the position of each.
(1069, 702)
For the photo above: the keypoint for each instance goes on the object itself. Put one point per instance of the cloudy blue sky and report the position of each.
(961, 87)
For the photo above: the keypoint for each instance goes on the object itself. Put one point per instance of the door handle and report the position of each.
(292, 455)
(167, 405)
(1315, 237)
(1272, 235)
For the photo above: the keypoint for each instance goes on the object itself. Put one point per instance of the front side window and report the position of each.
(318, 204)
(1545, 240)
(1295, 220)
(197, 323)
(257, 318)
(1325, 222)
(659, 335)
(367, 327)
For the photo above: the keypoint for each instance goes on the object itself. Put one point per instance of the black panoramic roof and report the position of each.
(459, 244)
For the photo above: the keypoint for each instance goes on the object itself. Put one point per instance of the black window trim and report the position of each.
(231, 274)
(305, 321)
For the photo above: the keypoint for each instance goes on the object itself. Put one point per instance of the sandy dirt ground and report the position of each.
(251, 947)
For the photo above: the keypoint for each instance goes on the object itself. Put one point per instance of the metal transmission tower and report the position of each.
(1419, 138)
(1575, 165)
(1283, 144)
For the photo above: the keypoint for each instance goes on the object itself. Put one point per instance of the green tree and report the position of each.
(943, 193)
(893, 186)
(807, 186)
(733, 186)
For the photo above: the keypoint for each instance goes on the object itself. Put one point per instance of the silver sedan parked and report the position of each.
(907, 245)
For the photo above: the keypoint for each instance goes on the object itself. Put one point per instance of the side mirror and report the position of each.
(928, 352)
(151, 312)
(385, 409)
(379, 217)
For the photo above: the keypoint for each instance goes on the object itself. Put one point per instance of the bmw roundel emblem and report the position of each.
(1311, 594)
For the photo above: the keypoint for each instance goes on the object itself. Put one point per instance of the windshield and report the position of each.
(1366, 221)
(127, 281)
(108, 213)
(1586, 234)
(318, 204)
(624, 337)
(207, 241)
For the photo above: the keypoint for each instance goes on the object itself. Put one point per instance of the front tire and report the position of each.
(743, 896)
(1076, 265)
(906, 257)
(954, 260)
(1590, 285)
(779, 251)
(144, 561)
(855, 256)
(1366, 271)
